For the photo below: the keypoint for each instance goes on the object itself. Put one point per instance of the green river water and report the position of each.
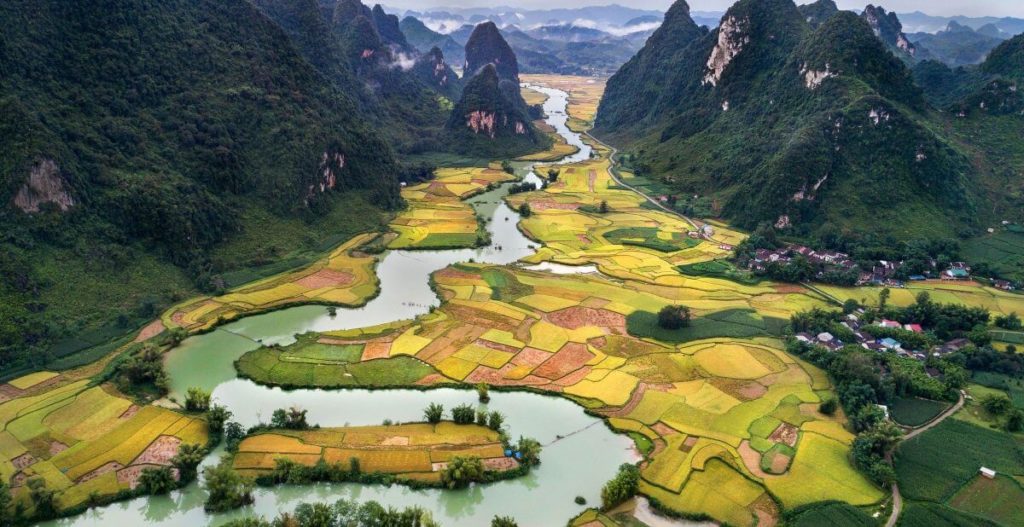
(580, 452)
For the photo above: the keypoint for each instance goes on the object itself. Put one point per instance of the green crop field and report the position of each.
(934, 465)
(269, 366)
(1000, 500)
(915, 411)
(831, 514)
(737, 323)
(935, 515)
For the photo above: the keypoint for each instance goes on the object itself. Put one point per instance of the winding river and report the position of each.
(580, 453)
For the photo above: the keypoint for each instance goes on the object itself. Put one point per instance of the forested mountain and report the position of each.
(990, 88)
(492, 112)
(156, 149)
(424, 38)
(957, 45)
(888, 28)
(810, 130)
(818, 12)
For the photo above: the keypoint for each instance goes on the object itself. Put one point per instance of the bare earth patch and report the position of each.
(780, 463)
(663, 429)
(570, 358)
(377, 349)
(786, 434)
(751, 459)
(23, 461)
(395, 441)
(160, 451)
(129, 412)
(56, 447)
(577, 317)
(325, 278)
(153, 329)
(500, 464)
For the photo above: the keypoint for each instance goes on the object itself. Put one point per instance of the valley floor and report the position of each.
(727, 421)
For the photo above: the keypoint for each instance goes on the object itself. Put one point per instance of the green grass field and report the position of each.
(1003, 250)
(270, 366)
(1012, 386)
(737, 323)
(934, 465)
(914, 411)
(832, 514)
(720, 269)
(936, 515)
(1000, 500)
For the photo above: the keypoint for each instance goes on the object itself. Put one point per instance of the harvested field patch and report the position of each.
(786, 434)
(577, 317)
(570, 358)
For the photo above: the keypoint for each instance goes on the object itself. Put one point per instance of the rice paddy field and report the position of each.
(968, 293)
(344, 277)
(733, 419)
(84, 441)
(584, 96)
(437, 217)
(417, 451)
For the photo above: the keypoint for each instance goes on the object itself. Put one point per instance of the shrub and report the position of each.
(829, 406)
(524, 210)
(197, 400)
(156, 480)
(293, 418)
(482, 393)
(463, 414)
(226, 488)
(433, 413)
(622, 487)
(461, 471)
(495, 420)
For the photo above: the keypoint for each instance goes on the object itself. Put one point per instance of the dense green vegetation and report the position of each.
(738, 323)
(934, 465)
(779, 137)
(344, 512)
(914, 411)
(837, 514)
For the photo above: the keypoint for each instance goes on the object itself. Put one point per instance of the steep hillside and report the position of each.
(433, 71)
(365, 53)
(957, 45)
(806, 129)
(492, 118)
(888, 28)
(818, 12)
(424, 38)
(141, 142)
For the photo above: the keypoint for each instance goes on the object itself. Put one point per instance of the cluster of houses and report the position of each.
(882, 272)
(886, 344)
(836, 259)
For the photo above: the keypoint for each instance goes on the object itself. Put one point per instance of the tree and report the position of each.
(156, 480)
(1011, 322)
(197, 400)
(293, 418)
(495, 420)
(503, 521)
(980, 336)
(186, 460)
(461, 471)
(868, 416)
(216, 416)
(6, 512)
(674, 317)
(996, 404)
(603, 208)
(529, 451)
(482, 393)
(506, 165)
(233, 435)
(553, 175)
(524, 210)
(43, 498)
(1015, 421)
(829, 406)
(883, 298)
(226, 488)
(850, 305)
(433, 413)
(481, 418)
(623, 486)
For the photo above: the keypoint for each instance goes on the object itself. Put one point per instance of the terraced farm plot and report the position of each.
(413, 451)
(967, 293)
(699, 402)
(344, 278)
(84, 441)
(437, 217)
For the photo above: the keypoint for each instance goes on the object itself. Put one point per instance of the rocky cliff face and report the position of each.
(787, 123)
(888, 28)
(487, 46)
(43, 185)
(432, 69)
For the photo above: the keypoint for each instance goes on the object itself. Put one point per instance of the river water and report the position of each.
(580, 452)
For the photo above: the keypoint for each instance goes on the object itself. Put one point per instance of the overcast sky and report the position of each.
(932, 7)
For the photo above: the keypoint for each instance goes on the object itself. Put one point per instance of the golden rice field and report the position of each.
(715, 403)
(968, 293)
(86, 441)
(559, 147)
(344, 277)
(584, 95)
(630, 241)
(437, 217)
(414, 451)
